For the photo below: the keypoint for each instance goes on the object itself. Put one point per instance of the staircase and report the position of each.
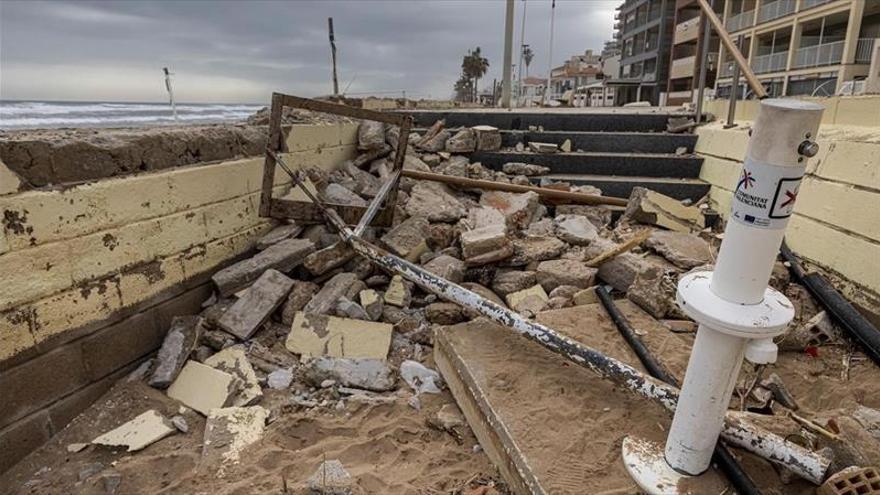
(614, 149)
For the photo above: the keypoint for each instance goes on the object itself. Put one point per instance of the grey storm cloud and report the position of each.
(241, 51)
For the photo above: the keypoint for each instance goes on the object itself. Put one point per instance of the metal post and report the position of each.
(734, 88)
(705, 38)
(522, 47)
(550, 53)
(170, 92)
(738, 314)
(333, 56)
(508, 54)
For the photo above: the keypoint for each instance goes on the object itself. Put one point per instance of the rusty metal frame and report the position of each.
(380, 213)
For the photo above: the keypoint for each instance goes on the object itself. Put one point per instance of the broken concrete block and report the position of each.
(650, 207)
(444, 313)
(367, 374)
(300, 295)
(179, 342)
(488, 137)
(553, 273)
(436, 143)
(456, 165)
(336, 194)
(483, 292)
(420, 378)
(565, 291)
(447, 267)
(565, 147)
(278, 234)
(320, 335)
(228, 431)
(519, 209)
(464, 141)
(435, 202)
(372, 302)
(528, 301)
(619, 271)
(326, 298)
(532, 248)
(234, 361)
(408, 239)
(483, 240)
(248, 313)
(347, 308)
(653, 290)
(279, 379)
(484, 216)
(683, 250)
(398, 293)
(575, 229)
(586, 296)
(203, 388)
(331, 478)
(537, 147)
(600, 216)
(371, 135)
(527, 169)
(324, 260)
(147, 428)
(283, 256)
(506, 282)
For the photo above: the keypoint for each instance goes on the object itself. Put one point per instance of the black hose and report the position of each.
(856, 325)
(722, 456)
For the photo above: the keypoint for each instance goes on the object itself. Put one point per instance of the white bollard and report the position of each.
(738, 314)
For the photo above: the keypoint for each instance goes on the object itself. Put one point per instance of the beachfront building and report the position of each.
(801, 47)
(644, 31)
(684, 65)
(579, 70)
(532, 91)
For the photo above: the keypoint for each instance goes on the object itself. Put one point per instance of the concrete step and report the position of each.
(560, 120)
(608, 142)
(624, 164)
(622, 186)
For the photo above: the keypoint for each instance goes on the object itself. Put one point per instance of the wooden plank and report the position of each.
(548, 426)
(307, 213)
(344, 110)
(274, 144)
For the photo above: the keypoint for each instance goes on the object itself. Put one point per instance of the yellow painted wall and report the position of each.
(839, 110)
(71, 257)
(836, 221)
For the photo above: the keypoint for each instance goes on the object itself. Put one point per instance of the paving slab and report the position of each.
(142, 431)
(321, 335)
(203, 388)
(251, 310)
(557, 430)
(282, 256)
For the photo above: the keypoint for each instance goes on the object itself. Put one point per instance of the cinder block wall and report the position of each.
(93, 273)
(836, 223)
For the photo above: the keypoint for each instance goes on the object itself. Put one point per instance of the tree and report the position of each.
(474, 66)
(464, 88)
(528, 56)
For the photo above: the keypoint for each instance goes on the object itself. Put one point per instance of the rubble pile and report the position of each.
(305, 324)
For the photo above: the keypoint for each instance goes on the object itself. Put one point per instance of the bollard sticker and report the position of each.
(765, 194)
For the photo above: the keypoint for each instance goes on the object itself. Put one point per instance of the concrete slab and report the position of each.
(559, 430)
(203, 388)
(142, 431)
(228, 431)
(253, 308)
(233, 360)
(320, 335)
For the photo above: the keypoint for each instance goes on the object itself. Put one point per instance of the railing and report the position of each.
(775, 10)
(687, 30)
(726, 70)
(864, 50)
(741, 21)
(770, 63)
(683, 67)
(815, 56)
(809, 4)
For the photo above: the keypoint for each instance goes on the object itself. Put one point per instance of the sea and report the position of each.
(58, 114)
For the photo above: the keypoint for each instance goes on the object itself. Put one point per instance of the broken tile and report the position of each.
(233, 360)
(203, 388)
(283, 256)
(247, 314)
(320, 335)
(147, 428)
(179, 342)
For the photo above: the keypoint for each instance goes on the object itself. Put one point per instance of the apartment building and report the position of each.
(684, 66)
(644, 30)
(800, 47)
(577, 71)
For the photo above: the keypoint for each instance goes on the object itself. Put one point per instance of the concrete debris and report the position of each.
(350, 309)
(336, 194)
(228, 431)
(519, 209)
(485, 244)
(509, 281)
(203, 388)
(248, 313)
(653, 290)
(278, 234)
(180, 423)
(464, 141)
(435, 202)
(683, 250)
(146, 429)
(447, 267)
(280, 379)
(817, 331)
(398, 293)
(372, 302)
(320, 335)
(408, 239)
(420, 378)
(74, 448)
(324, 260)
(565, 147)
(537, 147)
(432, 131)
(331, 478)
(650, 207)
(554, 273)
(530, 249)
(234, 360)
(575, 229)
(586, 296)
(329, 295)
(371, 135)
(527, 169)
(300, 295)
(444, 313)
(366, 374)
(488, 137)
(179, 342)
(435, 143)
(283, 256)
(528, 301)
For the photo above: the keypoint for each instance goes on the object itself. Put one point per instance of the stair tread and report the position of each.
(617, 178)
(593, 154)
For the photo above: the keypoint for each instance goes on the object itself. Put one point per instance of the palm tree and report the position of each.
(475, 66)
(528, 55)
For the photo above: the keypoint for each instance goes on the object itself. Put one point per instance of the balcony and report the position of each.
(818, 55)
(864, 50)
(809, 4)
(683, 67)
(687, 31)
(741, 21)
(775, 10)
(773, 62)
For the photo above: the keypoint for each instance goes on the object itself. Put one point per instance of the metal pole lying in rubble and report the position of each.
(738, 314)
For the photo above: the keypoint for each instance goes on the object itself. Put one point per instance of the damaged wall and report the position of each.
(94, 272)
(835, 221)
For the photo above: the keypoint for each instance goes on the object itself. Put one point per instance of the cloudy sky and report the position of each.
(241, 51)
